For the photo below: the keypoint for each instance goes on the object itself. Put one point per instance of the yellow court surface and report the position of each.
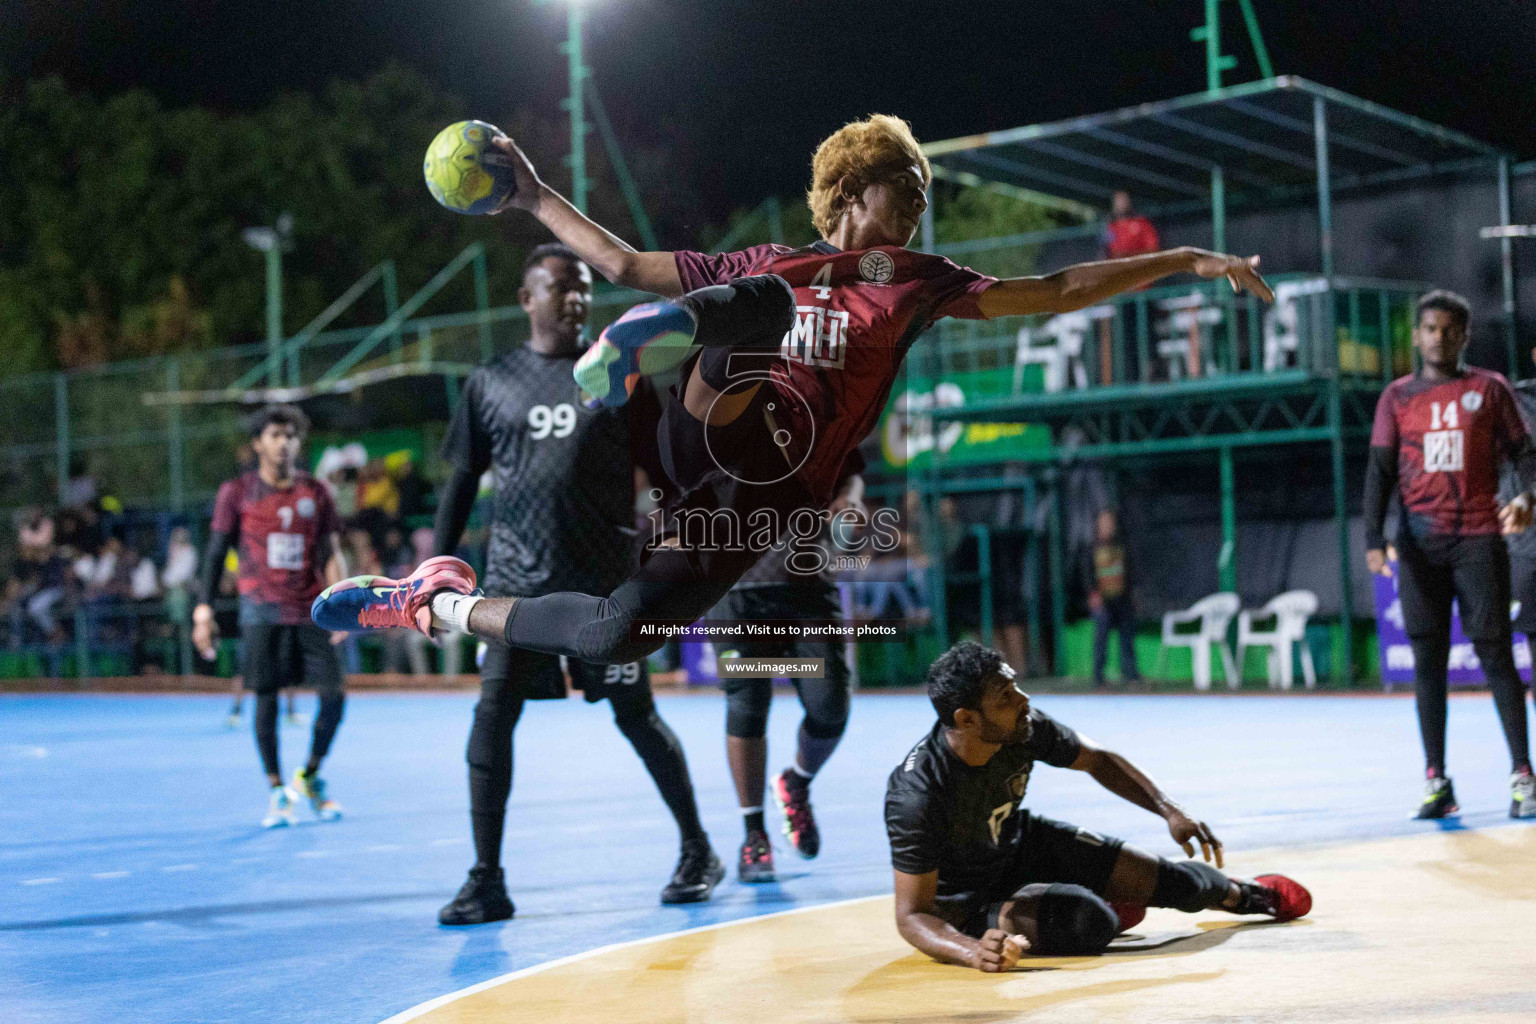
(1438, 927)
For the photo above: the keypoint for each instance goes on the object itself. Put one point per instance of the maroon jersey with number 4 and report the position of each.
(1451, 437)
(856, 314)
(276, 531)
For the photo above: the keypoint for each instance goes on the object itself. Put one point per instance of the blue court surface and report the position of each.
(136, 883)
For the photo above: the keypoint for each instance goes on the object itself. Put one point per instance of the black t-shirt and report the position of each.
(965, 822)
(563, 512)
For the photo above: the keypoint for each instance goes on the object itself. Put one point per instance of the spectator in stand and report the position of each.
(375, 489)
(1126, 233)
(39, 581)
(410, 485)
(1108, 582)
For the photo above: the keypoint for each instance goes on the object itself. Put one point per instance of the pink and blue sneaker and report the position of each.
(651, 338)
(375, 602)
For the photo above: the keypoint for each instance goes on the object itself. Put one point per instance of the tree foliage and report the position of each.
(120, 219)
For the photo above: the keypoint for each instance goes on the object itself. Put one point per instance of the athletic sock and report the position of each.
(797, 778)
(451, 611)
(752, 818)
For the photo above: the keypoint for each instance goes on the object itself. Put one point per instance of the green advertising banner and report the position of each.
(908, 438)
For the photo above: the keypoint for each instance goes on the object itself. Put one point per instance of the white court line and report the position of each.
(109, 874)
(40, 881)
(432, 1004)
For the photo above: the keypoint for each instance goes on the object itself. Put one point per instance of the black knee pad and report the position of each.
(1074, 921)
(746, 708)
(749, 312)
(1188, 885)
(826, 708)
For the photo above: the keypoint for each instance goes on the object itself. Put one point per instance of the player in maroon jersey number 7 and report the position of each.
(1439, 439)
(790, 356)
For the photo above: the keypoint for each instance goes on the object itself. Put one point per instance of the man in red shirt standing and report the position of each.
(284, 527)
(1128, 233)
(1439, 440)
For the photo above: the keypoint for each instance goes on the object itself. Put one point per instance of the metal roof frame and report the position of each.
(1255, 144)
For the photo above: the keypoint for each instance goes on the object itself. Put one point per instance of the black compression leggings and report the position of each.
(825, 702)
(333, 701)
(490, 758)
(1431, 657)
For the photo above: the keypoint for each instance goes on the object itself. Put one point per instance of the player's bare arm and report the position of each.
(1084, 284)
(924, 930)
(605, 252)
(1117, 774)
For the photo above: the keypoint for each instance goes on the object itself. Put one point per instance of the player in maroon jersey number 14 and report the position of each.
(1439, 439)
(283, 525)
(790, 356)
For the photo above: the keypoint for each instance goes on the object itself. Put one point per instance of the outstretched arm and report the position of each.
(1118, 775)
(916, 920)
(1085, 284)
(607, 253)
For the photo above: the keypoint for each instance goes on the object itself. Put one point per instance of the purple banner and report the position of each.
(1397, 655)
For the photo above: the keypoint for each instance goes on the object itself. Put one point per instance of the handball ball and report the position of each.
(465, 172)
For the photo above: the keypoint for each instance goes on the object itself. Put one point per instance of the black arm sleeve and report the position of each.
(455, 502)
(213, 564)
(1380, 479)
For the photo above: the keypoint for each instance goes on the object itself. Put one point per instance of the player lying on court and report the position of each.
(980, 880)
(788, 356)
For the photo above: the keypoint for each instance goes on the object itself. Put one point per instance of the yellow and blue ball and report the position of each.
(465, 172)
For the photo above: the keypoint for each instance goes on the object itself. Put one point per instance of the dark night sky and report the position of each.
(750, 87)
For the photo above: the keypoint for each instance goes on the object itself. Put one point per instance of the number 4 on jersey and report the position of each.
(822, 282)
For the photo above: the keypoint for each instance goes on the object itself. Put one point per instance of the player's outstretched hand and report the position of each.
(1516, 516)
(1186, 831)
(999, 951)
(526, 195)
(1242, 273)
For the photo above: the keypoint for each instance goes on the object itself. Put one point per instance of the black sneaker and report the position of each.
(698, 872)
(482, 900)
(754, 863)
(799, 823)
(1439, 799)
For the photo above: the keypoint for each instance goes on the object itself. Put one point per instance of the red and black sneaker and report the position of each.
(1130, 914)
(799, 823)
(1275, 896)
(755, 862)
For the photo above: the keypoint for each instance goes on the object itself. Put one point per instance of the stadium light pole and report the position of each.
(273, 242)
(575, 103)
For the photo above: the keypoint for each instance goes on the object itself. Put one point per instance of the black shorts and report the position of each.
(530, 675)
(274, 657)
(788, 602)
(1472, 571)
(1051, 851)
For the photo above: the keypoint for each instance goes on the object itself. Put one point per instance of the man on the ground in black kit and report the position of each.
(1439, 439)
(563, 519)
(980, 880)
(284, 526)
(791, 583)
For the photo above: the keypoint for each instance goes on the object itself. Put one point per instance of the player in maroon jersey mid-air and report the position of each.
(1439, 439)
(283, 525)
(788, 358)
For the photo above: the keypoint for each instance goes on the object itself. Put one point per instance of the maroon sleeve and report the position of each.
(957, 290)
(327, 521)
(226, 508)
(699, 270)
(1384, 428)
(1509, 427)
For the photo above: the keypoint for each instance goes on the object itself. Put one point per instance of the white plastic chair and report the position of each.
(1189, 320)
(1290, 611)
(1056, 345)
(1213, 614)
(1282, 321)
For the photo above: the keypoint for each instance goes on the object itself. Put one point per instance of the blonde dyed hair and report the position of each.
(866, 151)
